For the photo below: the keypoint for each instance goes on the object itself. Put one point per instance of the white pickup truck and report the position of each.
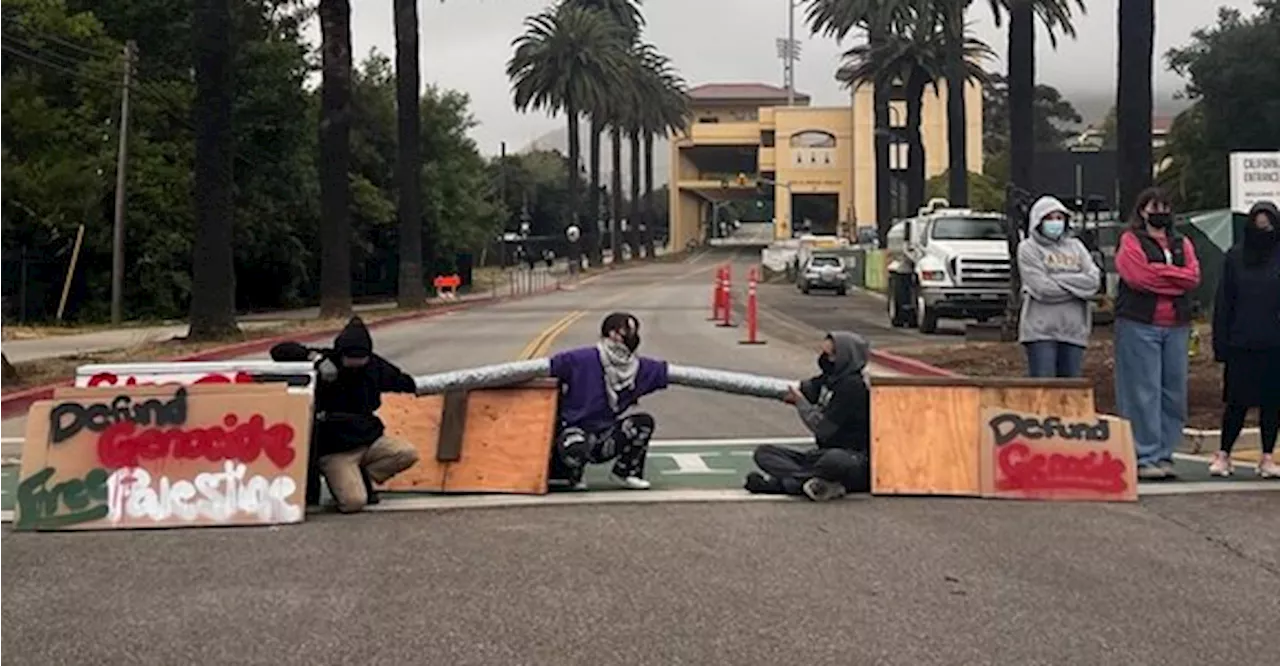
(947, 263)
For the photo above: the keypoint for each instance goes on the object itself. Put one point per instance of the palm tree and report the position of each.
(213, 288)
(1133, 98)
(666, 111)
(411, 291)
(880, 19)
(916, 58)
(568, 60)
(335, 158)
(1056, 15)
(626, 15)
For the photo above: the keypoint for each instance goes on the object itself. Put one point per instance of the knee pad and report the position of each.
(573, 447)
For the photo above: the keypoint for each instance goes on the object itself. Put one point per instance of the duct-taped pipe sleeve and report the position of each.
(739, 383)
(486, 376)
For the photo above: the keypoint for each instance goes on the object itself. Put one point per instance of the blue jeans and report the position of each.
(1151, 386)
(1049, 358)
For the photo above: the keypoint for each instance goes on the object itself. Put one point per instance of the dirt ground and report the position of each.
(1007, 359)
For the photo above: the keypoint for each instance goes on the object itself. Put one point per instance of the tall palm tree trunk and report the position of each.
(213, 294)
(591, 226)
(957, 139)
(1022, 86)
(411, 291)
(1133, 99)
(575, 159)
(917, 81)
(648, 214)
(633, 214)
(335, 158)
(615, 196)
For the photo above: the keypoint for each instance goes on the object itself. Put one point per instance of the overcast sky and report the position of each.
(465, 45)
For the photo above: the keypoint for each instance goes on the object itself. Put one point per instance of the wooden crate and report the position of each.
(926, 432)
(482, 441)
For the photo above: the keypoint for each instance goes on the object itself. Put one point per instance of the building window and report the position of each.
(813, 139)
(709, 119)
(767, 138)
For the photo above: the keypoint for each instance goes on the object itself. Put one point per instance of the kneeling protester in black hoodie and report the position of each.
(351, 448)
(836, 407)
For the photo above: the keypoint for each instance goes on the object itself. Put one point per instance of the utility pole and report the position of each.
(789, 52)
(122, 162)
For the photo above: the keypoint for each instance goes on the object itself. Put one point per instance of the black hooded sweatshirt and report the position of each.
(1246, 311)
(346, 404)
(839, 403)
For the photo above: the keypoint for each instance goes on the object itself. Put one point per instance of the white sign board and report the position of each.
(1254, 177)
(299, 376)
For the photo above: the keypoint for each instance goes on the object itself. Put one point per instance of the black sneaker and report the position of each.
(819, 490)
(759, 484)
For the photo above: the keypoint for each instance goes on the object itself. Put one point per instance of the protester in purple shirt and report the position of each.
(598, 384)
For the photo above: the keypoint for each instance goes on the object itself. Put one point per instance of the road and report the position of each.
(1172, 580)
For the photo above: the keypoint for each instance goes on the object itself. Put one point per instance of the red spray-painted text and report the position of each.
(1022, 469)
(125, 445)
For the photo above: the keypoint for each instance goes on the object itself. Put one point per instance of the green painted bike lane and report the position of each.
(705, 466)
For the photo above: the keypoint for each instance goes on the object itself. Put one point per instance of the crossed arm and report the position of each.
(1157, 278)
(1045, 287)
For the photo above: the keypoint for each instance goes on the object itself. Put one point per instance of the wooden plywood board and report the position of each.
(506, 440)
(1064, 401)
(1044, 456)
(507, 443)
(924, 440)
(417, 421)
(164, 456)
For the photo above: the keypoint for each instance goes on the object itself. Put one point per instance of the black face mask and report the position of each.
(825, 364)
(1160, 220)
(631, 340)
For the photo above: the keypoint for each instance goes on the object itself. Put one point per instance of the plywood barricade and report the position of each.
(927, 432)
(482, 441)
(1048, 457)
(164, 456)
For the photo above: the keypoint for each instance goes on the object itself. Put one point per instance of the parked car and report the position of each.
(824, 271)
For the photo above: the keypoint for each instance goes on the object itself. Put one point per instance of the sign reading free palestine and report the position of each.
(1254, 177)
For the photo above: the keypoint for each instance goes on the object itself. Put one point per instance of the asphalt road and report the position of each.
(1173, 581)
(863, 312)
(1169, 581)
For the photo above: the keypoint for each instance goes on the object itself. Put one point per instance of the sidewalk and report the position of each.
(58, 346)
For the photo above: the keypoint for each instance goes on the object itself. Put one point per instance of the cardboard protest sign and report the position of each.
(1045, 457)
(164, 456)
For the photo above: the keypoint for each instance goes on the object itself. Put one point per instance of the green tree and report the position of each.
(1233, 71)
(1055, 122)
(567, 60)
(213, 297)
(665, 112)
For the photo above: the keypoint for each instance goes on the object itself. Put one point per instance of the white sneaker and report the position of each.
(1268, 469)
(581, 485)
(1221, 465)
(632, 482)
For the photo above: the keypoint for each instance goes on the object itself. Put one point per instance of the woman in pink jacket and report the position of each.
(1158, 268)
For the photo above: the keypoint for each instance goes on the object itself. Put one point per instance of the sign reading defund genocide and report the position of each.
(1047, 457)
(164, 456)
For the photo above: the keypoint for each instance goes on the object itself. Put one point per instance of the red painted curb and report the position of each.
(909, 366)
(19, 401)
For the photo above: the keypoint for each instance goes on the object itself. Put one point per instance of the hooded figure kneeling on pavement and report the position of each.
(836, 407)
(350, 447)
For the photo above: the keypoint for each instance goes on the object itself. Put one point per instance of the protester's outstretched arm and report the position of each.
(391, 379)
(488, 376)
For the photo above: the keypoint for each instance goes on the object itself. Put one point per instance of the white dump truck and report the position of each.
(947, 263)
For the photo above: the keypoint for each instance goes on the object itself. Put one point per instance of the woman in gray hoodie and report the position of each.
(1059, 278)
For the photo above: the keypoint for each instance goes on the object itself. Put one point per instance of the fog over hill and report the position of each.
(1092, 106)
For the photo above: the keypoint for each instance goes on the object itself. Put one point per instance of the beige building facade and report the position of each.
(817, 164)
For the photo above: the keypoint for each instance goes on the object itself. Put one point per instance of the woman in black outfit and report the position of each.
(1246, 336)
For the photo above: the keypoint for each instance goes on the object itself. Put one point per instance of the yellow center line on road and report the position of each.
(539, 345)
